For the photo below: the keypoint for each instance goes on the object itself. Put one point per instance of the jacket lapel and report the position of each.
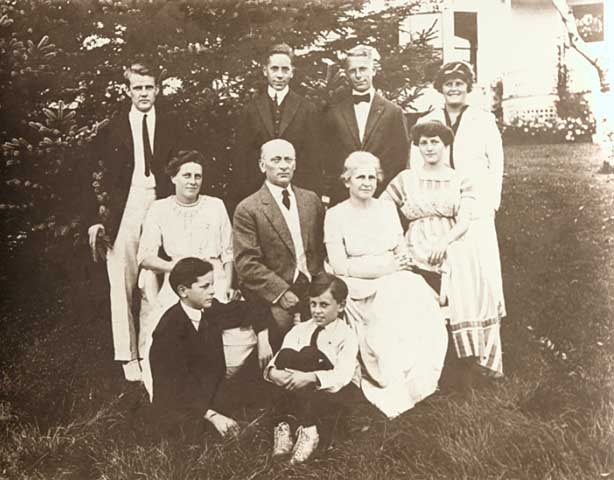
(349, 117)
(264, 110)
(375, 113)
(303, 215)
(275, 217)
(291, 103)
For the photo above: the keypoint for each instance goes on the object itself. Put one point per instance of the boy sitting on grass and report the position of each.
(187, 354)
(316, 363)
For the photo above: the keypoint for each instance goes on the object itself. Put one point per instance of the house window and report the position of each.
(589, 19)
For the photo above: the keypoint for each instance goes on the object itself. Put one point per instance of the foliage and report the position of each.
(555, 130)
(590, 27)
(60, 80)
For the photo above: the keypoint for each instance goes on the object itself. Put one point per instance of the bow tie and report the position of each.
(361, 98)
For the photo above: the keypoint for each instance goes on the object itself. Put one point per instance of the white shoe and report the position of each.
(132, 371)
(307, 440)
(282, 440)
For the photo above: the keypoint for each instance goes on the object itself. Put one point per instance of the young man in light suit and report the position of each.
(129, 160)
(278, 112)
(365, 121)
(278, 242)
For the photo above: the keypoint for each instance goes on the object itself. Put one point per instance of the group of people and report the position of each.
(351, 259)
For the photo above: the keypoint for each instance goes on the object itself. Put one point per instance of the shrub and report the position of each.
(60, 81)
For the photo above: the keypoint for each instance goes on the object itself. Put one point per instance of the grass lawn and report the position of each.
(65, 412)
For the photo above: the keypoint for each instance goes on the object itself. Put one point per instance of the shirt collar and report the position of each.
(371, 92)
(280, 94)
(135, 112)
(193, 314)
(276, 189)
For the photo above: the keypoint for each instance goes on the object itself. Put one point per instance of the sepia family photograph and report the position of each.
(285, 239)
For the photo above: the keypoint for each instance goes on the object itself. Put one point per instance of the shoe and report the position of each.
(282, 440)
(132, 371)
(307, 440)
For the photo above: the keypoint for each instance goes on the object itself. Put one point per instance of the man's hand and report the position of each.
(225, 426)
(300, 379)
(288, 300)
(265, 352)
(95, 233)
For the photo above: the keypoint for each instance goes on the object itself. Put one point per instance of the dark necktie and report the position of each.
(148, 154)
(361, 98)
(285, 198)
(276, 115)
(454, 126)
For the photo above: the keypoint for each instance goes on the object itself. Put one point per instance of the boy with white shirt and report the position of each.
(316, 363)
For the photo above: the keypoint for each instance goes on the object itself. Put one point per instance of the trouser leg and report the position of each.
(122, 269)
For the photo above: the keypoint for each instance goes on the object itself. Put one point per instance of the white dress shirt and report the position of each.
(294, 225)
(361, 110)
(136, 126)
(337, 341)
(280, 94)
(193, 314)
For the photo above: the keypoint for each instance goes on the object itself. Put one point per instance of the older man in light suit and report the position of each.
(278, 244)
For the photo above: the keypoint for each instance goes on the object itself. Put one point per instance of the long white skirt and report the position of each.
(402, 337)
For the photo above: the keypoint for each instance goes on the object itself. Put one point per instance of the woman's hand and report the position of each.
(438, 252)
(404, 261)
(265, 352)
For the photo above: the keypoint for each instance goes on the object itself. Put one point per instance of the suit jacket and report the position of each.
(478, 156)
(187, 365)
(114, 155)
(256, 127)
(264, 252)
(385, 137)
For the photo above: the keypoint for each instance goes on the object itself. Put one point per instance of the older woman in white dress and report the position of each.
(194, 225)
(401, 330)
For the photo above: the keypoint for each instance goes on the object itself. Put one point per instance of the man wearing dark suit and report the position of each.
(278, 112)
(365, 121)
(278, 243)
(131, 155)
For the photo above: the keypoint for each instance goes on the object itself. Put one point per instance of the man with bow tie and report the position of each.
(278, 112)
(365, 121)
(130, 156)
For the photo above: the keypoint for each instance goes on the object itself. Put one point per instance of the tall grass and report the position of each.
(66, 414)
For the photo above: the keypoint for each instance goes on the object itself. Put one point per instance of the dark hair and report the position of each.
(462, 70)
(183, 157)
(140, 68)
(432, 128)
(322, 282)
(186, 271)
(281, 49)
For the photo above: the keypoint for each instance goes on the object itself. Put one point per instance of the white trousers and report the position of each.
(122, 269)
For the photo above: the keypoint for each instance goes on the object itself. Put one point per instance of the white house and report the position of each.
(519, 42)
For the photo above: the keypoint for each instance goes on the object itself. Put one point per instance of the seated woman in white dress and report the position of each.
(401, 330)
(188, 224)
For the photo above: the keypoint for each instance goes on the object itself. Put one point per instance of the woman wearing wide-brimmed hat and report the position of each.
(476, 154)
